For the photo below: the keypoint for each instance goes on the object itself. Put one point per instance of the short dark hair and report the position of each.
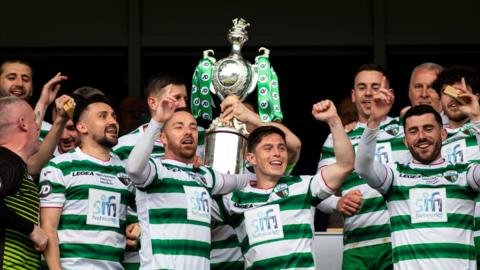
(18, 61)
(454, 74)
(83, 103)
(421, 110)
(156, 83)
(259, 133)
(373, 67)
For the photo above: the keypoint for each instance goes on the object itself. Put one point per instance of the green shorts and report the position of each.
(376, 257)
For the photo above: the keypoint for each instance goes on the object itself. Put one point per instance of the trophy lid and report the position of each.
(237, 35)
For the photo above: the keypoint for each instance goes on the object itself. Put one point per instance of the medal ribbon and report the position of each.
(268, 94)
(201, 100)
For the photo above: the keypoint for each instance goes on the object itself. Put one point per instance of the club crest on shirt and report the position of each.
(468, 130)
(197, 177)
(281, 190)
(451, 176)
(123, 177)
(392, 129)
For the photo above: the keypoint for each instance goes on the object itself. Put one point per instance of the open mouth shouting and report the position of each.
(112, 130)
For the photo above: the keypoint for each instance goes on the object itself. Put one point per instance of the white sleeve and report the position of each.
(226, 183)
(473, 176)
(52, 187)
(329, 205)
(138, 167)
(377, 175)
(319, 188)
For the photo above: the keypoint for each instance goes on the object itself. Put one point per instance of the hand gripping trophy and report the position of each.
(225, 145)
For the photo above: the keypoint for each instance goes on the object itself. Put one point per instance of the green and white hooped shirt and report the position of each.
(370, 225)
(275, 227)
(96, 198)
(174, 210)
(461, 146)
(431, 211)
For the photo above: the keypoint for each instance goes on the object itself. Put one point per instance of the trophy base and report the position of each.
(225, 147)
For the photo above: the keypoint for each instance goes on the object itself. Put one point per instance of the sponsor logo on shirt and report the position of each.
(103, 207)
(198, 203)
(80, 173)
(263, 224)
(383, 153)
(428, 205)
(45, 189)
(455, 152)
(404, 175)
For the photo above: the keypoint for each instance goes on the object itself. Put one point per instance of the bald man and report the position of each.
(19, 198)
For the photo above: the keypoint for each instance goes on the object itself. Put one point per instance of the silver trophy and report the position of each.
(225, 142)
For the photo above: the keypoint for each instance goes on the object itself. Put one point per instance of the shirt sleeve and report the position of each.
(10, 174)
(226, 183)
(473, 176)
(319, 188)
(12, 170)
(52, 187)
(329, 205)
(139, 166)
(377, 175)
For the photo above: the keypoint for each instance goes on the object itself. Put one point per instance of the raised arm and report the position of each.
(49, 92)
(45, 151)
(138, 167)
(232, 107)
(377, 175)
(335, 173)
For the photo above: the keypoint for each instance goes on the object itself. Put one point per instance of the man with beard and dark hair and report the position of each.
(461, 144)
(85, 195)
(453, 76)
(430, 201)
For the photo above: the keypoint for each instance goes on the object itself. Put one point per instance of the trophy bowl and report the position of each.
(233, 76)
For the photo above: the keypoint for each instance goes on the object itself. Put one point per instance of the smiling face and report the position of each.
(69, 139)
(98, 123)
(450, 105)
(366, 83)
(16, 80)
(180, 137)
(269, 157)
(423, 137)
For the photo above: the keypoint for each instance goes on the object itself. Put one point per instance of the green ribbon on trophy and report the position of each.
(201, 100)
(268, 95)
